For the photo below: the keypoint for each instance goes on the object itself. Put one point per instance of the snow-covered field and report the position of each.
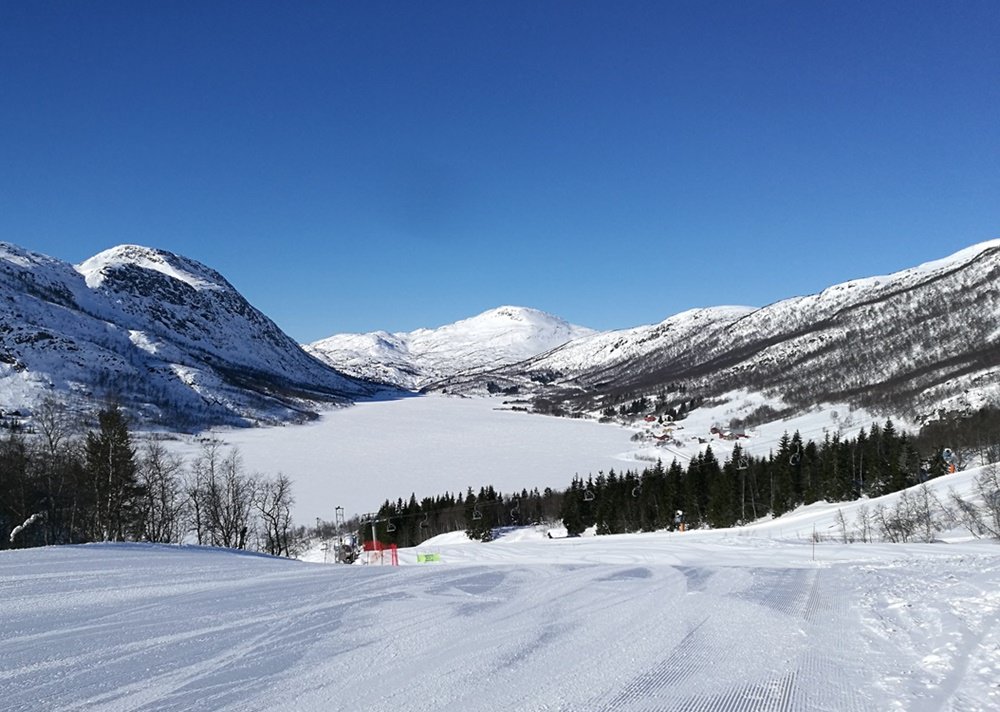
(358, 457)
(710, 621)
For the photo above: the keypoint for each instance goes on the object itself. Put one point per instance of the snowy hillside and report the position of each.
(163, 334)
(634, 623)
(414, 359)
(910, 343)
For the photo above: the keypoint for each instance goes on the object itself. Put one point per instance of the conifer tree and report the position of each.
(780, 476)
(111, 471)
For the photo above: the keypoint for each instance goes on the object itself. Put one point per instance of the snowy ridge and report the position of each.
(414, 359)
(914, 342)
(173, 338)
(173, 266)
(166, 336)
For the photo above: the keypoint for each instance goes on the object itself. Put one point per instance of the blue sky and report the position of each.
(352, 166)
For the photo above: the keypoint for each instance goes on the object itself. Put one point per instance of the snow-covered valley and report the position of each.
(781, 615)
(358, 457)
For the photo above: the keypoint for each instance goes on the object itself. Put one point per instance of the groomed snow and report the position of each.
(707, 621)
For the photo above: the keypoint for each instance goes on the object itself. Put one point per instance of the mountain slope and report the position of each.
(415, 359)
(163, 334)
(920, 340)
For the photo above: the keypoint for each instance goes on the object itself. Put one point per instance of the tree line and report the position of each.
(410, 522)
(743, 488)
(706, 492)
(63, 483)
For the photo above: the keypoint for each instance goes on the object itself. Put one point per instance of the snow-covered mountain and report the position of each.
(915, 342)
(173, 340)
(163, 334)
(415, 359)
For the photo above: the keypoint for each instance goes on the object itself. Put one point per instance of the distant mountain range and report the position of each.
(915, 343)
(172, 340)
(416, 359)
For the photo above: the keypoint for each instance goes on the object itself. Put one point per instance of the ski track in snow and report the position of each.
(609, 624)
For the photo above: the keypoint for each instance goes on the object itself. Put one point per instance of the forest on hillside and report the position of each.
(709, 493)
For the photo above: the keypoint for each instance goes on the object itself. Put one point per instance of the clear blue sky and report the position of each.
(352, 166)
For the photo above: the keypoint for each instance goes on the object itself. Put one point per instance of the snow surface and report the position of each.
(360, 456)
(708, 621)
(778, 616)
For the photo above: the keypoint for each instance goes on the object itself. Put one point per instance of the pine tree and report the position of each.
(674, 494)
(111, 471)
(780, 476)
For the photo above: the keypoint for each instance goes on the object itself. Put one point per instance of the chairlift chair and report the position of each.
(796, 457)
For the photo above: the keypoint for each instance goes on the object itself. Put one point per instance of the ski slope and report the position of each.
(708, 621)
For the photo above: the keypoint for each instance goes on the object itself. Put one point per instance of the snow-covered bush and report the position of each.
(917, 516)
(981, 514)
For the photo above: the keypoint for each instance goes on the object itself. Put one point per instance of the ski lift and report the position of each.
(743, 463)
(424, 522)
(796, 457)
(588, 496)
(515, 511)
(636, 491)
(390, 528)
(476, 514)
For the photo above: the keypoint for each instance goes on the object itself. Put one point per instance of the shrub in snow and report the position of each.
(916, 516)
(980, 515)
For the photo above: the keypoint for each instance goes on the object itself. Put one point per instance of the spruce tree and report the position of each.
(111, 472)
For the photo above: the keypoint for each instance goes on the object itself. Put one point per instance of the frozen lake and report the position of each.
(358, 457)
